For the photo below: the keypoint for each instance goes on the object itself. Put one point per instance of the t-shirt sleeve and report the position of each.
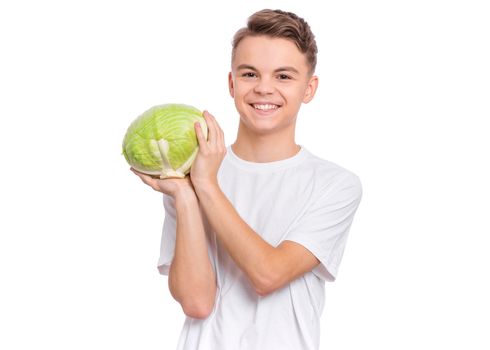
(167, 244)
(324, 227)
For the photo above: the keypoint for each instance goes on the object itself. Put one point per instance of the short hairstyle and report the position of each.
(280, 24)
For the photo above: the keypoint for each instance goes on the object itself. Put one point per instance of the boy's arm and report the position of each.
(268, 268)
(191, 278)
(192, 281)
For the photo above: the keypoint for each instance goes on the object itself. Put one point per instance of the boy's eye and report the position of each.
(248, 75)
(284, 77)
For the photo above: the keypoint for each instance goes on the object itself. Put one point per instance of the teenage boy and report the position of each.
(250, 238)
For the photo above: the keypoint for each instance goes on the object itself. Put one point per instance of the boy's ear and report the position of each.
(311, 89)
(231, 88)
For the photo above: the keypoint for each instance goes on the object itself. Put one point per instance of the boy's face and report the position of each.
(269, 81)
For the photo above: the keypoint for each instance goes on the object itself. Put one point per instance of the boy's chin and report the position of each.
(263, 127)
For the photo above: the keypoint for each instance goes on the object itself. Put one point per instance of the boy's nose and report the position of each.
(264, 86)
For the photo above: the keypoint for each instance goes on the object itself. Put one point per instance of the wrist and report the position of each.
(206, 188)
(184, 193)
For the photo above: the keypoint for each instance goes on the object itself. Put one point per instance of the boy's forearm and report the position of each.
(192, 281)
(251, 253)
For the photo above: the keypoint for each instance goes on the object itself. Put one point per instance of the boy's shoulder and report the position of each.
(305, 169)
(326, 167)
(328, 173)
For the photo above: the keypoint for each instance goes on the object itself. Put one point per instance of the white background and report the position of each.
(403, 100)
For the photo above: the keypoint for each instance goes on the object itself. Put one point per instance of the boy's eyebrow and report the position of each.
(287, 69)
(280, 69)
(246, 66)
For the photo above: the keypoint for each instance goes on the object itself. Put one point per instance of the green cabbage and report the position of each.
(162, 141)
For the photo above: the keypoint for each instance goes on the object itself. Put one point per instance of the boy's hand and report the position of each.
(172, 186)
(204, 170)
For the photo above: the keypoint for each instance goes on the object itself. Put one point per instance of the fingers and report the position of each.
(212, 131)
(221, 138)
(200, 135)
(215, 134)
(147, 179)
(211, 123)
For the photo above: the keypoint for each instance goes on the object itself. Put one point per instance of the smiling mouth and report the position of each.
(265, 106)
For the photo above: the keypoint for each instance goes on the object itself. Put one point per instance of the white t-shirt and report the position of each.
(303, 199)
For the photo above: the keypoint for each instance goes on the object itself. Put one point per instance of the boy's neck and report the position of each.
(264, 148)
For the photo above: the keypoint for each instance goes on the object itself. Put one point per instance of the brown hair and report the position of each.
(280, 24)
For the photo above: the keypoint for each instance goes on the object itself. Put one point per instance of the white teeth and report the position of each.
(266, 107)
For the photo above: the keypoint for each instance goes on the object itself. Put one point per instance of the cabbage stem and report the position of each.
(167, 170)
